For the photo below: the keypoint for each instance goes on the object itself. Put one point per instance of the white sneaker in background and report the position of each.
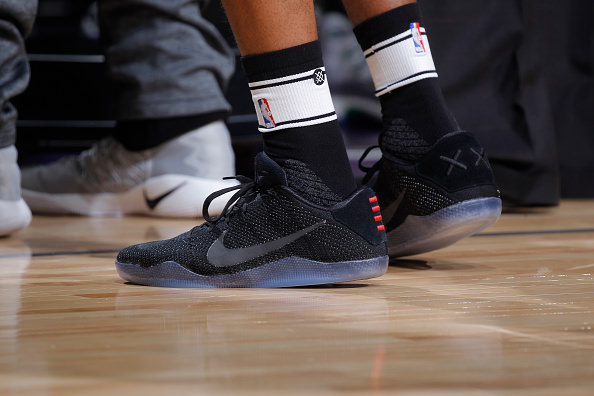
(14, 213)
(170, 180)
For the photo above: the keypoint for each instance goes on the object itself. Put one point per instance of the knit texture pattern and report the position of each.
(402, 141)
(308, 185)
(421, 198)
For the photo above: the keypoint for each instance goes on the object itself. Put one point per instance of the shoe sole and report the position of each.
(14, 215)
(287, 272)
(421, 234)
(185, 200)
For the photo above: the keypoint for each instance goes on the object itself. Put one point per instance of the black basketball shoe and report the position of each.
(268, 235)
(438, 195)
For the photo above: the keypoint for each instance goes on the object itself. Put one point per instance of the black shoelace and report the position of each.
(247, 191)
(246, 187)
(369, 170)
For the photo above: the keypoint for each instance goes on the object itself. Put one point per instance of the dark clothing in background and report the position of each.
(518, 74)
(570, 71)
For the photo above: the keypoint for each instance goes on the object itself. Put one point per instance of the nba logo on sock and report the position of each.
(415, 29)
(266, 113)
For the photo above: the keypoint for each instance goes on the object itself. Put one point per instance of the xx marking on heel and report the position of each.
(453, 162)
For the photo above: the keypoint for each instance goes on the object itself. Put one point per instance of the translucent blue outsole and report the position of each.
(421, 234)
(287, 272)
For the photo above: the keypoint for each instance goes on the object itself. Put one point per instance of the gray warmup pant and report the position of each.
(15, 23)
(163, 58)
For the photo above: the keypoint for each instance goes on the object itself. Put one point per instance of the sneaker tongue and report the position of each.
(268, 172)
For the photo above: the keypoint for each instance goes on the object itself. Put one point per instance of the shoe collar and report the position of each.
(268, 173)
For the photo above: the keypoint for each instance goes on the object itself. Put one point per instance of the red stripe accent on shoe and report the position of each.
(373, 199)
(375, 208)
(381, 227)
(378, 218)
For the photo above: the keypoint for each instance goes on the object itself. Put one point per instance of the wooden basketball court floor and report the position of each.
(508, 312)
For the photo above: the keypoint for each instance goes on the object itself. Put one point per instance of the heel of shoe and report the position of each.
(361, 213)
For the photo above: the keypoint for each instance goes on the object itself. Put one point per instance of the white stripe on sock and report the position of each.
(394, 62)
(384, 43)
(292, 101)
(284, 79)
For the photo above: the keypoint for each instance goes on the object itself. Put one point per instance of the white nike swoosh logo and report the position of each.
(220, 256)
(391, 209)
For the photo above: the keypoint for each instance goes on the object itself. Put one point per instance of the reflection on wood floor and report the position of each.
(508, 312)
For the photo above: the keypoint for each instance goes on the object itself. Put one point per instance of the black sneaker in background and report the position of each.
(267, 236)
(446, 195)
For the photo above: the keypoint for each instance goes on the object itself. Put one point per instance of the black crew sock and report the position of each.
(414, 112)
(297, 120)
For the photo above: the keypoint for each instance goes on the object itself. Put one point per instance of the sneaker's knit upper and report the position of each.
(269, 212)
(454, 169)
(307, 184)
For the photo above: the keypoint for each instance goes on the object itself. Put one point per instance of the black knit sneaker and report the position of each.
(446, 195)
(267, 236)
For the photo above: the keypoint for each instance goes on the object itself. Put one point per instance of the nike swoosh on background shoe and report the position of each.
(152, 203)
(389, 211)
(220, 256)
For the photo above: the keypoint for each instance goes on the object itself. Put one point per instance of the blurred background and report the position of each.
(517, 73)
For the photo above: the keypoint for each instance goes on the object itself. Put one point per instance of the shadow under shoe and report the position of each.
(449, 194)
